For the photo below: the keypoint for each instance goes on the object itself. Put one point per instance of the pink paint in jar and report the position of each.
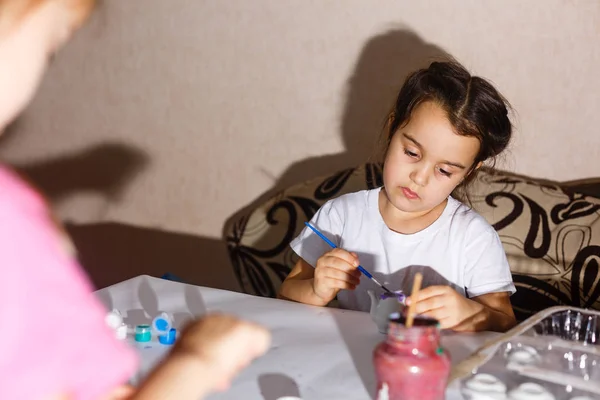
(410, 364)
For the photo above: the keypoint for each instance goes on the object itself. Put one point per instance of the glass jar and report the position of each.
(410, 364)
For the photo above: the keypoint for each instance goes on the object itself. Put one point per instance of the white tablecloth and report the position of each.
(316, 353)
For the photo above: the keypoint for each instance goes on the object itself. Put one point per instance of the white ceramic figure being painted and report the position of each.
(384, 305)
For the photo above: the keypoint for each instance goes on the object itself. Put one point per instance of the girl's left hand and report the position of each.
(452, 310)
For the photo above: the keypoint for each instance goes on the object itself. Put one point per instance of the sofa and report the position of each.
(550, 232)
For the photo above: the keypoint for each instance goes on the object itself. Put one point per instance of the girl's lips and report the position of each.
(409, 194)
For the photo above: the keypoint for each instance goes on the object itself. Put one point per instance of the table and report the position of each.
(316, 352)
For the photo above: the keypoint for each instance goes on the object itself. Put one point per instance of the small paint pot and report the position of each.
(113, 319)
(121, 332)
(162, 324)
(398, 295)
(530, 391)
(169, 337)
(523, 355)
(485, 387)
(143, 333)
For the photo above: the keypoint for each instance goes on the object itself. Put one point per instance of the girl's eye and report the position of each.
(410, 153)
(445, 173)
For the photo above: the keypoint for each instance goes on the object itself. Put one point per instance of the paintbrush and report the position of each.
(361, 269)
(410, 316)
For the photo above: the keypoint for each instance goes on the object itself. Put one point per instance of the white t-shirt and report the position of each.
(459, 249)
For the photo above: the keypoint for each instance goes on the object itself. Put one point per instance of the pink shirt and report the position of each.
(53, 337)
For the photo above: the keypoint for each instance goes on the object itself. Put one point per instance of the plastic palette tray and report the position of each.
(553, 355)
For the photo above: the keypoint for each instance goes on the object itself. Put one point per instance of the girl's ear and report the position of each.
(388, 126)
(391, 118)
(475, 168)
(472, 170)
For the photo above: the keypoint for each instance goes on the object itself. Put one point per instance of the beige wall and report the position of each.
(167, 117)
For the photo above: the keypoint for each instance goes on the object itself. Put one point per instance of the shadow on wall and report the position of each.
(113, 252)
(104, 169)
(381, 68)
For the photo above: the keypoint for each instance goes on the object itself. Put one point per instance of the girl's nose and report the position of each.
(420, 176)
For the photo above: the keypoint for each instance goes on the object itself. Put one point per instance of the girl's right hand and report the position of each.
(335, 270)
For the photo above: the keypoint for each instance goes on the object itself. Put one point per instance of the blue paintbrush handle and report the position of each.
(329, 242)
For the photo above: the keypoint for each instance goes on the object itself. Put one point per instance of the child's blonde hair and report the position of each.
(14, 11)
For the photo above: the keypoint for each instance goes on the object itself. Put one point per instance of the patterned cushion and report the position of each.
(551, 235)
